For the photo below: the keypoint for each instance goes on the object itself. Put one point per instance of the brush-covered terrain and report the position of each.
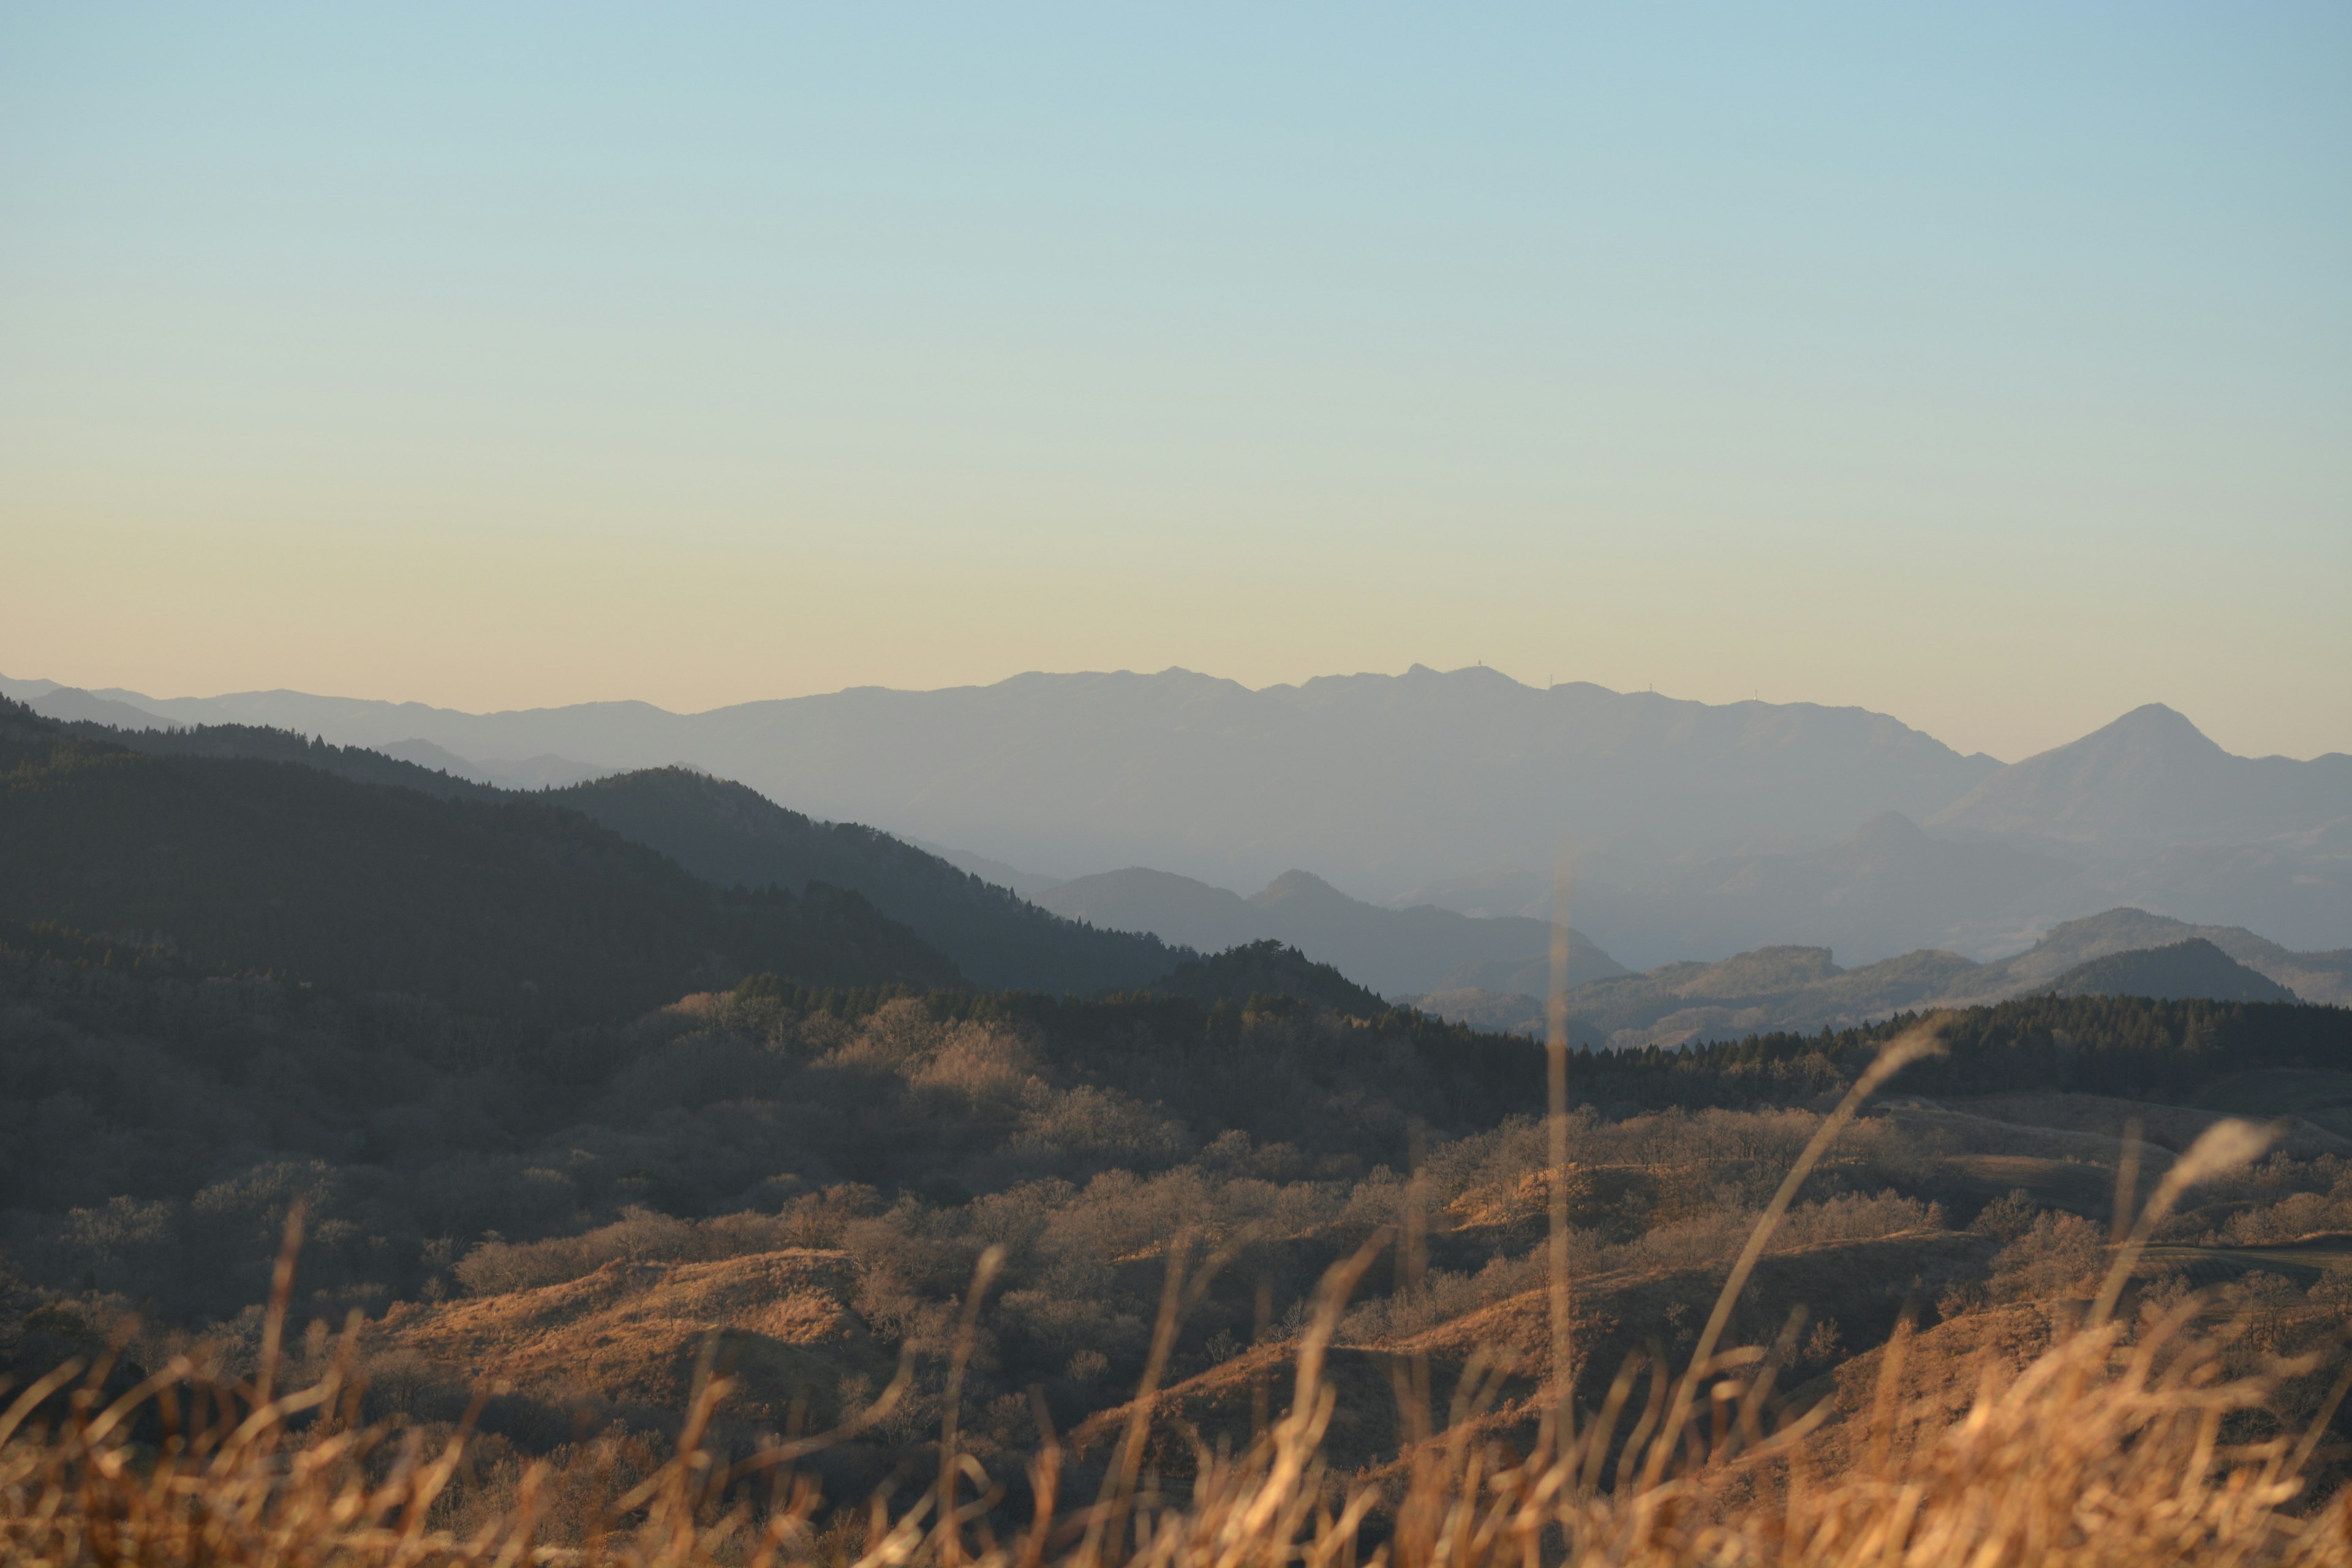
(794, 1188)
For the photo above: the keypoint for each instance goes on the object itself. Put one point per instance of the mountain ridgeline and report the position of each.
(727, 833)
(1701, 829)
(514, 909)
(733, 837)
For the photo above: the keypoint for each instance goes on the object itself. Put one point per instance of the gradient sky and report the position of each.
(1990, 366)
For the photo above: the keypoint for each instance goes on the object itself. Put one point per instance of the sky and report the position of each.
(1990, 365)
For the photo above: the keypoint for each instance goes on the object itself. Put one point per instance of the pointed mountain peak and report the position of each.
(2151, 725)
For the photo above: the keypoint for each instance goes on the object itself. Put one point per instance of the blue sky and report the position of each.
(1990, 366)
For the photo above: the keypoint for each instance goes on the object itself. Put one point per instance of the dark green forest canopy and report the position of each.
(2134, 1047)
(1246, 974)
(2192, 968)
(512, 909)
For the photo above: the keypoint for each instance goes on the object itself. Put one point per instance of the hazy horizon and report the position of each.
(167, 696)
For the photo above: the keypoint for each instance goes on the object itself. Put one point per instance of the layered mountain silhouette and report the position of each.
(1700, 830)
(732, 835)
(1398, 953)
(1379, 783)
(2122, 951)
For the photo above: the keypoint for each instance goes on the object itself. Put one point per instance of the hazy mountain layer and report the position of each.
(1802, 988)
(1398, 953)
(1700, 831)
(1380, 782)
(1893, 887)
(2152, 777)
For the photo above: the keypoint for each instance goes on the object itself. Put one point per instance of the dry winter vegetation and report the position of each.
(759, 1278)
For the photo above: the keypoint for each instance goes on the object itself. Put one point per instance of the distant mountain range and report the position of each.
(2121, 951)
(1700, 831)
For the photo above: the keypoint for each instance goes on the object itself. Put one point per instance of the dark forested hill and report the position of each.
(512, 908)
(728, 834)
(2192, 968)
(1240, 974)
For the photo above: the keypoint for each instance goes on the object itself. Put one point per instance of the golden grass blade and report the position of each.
(1897, 1054)
(2224, 1146)
(1563, 1370)
(983, 1275)
(282, 1293)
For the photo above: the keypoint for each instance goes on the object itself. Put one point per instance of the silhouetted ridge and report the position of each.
(509, 907)
(728, 834)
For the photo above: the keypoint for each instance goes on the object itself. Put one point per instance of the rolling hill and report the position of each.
(2192, 968)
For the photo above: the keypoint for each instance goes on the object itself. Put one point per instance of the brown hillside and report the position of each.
(633, 1334)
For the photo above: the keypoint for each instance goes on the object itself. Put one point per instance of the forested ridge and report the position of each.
(731, 836)
(511, 908)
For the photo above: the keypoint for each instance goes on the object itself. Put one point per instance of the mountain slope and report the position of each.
(2325, 977)
(2195, 968)
(1412, 949)
(728, 834)
(1175, 909)
(1397, 952)
(513, 908)
(1700, 830)
(1888, 888)
(2153, 777)
(1381, 782)
(76, 706)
